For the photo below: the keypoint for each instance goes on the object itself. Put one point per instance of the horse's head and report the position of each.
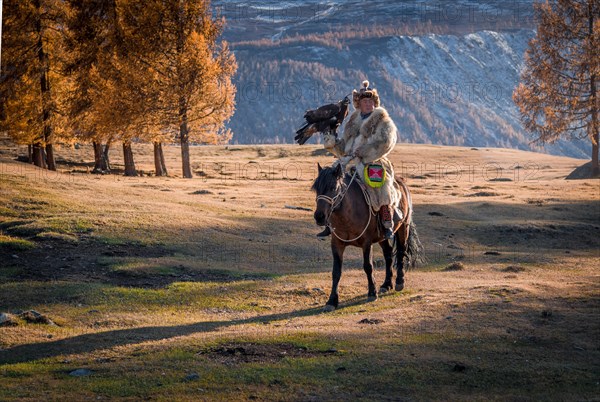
(327, 185)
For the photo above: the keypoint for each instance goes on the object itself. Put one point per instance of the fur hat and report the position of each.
(365, 92)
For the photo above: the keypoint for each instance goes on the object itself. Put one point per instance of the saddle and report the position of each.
(398, 216)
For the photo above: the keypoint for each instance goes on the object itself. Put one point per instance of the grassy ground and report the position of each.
(211, 289)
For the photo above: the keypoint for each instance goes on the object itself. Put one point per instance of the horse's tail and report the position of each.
(414, 248)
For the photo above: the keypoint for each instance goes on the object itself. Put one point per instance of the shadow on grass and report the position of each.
(104, 340)
(262, 247)
(511, 343)
(540, 226)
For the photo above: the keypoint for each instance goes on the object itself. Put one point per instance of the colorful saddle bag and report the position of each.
(375, 175)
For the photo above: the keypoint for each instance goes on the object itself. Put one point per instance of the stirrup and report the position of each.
(388, 233)
(398, 215)
(324, 234)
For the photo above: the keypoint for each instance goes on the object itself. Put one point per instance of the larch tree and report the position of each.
(107, 98)
(116, 114)
(92, 37)
(189, 89)
(558, 93)
(30, 80)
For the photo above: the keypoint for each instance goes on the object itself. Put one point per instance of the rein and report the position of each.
(337, 199)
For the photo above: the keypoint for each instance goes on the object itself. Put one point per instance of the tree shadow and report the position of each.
(261, 248)
(248, 249)
(541, 225)
(87, 343)
(507, 342)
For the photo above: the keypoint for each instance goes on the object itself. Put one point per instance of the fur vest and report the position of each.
(372, 139)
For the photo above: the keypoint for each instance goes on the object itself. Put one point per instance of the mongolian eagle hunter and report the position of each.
(325, 119)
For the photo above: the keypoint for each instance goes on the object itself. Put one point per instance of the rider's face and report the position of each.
(367, 105)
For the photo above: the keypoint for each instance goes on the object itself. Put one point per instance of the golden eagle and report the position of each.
(325, 119)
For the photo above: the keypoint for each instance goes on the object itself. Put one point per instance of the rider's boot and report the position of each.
(385, 213)
(324, 234)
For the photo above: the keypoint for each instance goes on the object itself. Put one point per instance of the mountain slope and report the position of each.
(453, 87)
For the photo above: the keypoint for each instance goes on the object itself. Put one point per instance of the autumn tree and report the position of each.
(558, 93)
(92, 37)
(108, 96)
(189, 87)
(30, 84)
(106, 101)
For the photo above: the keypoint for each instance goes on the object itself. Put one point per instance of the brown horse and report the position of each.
(342, 205)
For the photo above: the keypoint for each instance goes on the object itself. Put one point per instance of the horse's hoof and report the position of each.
(383, 290)
(399, 286)
(372, 298)
(328, 308)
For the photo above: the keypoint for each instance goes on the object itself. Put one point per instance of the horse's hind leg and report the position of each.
(401, 249)
(368, 267)
(388, 257)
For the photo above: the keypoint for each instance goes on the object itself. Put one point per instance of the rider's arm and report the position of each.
(334, 145)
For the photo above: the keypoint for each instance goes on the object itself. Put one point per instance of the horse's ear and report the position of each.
(339, 172)
(319, 167)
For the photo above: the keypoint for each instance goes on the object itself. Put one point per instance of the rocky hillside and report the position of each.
(445, 70)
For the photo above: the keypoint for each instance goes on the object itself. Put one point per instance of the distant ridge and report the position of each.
(444, 87)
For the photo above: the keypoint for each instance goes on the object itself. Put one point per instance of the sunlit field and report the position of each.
(212, 288)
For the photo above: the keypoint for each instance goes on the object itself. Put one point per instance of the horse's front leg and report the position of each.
(368, 267)
(338, 258)
(388, 253)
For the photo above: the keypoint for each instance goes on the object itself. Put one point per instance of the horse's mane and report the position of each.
(327, 181)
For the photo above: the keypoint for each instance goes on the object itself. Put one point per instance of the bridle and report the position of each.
(336, 201)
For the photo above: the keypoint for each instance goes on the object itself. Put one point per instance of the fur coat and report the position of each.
(367, 141)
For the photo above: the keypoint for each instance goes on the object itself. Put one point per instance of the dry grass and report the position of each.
(210, 289)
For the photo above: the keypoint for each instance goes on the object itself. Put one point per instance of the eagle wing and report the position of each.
(306, 131)
(325, 112)
(325, 119)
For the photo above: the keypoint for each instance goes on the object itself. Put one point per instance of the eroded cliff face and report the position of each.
(445, 72)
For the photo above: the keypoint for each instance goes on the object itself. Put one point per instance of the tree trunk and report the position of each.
(183, 107)
(162, 161)
(595, 166)
(185, 141)
(105, 157)
(100, 158)
(45, 89)
(159, 160)
(128, 157)
(97, 157)
(39, 159)
(594, 101)
(29, 153)
(50, 157)
(185, 158)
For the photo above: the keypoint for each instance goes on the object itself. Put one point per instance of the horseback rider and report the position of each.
(369, 136)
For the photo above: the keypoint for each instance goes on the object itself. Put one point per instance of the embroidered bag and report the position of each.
(374, 175)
